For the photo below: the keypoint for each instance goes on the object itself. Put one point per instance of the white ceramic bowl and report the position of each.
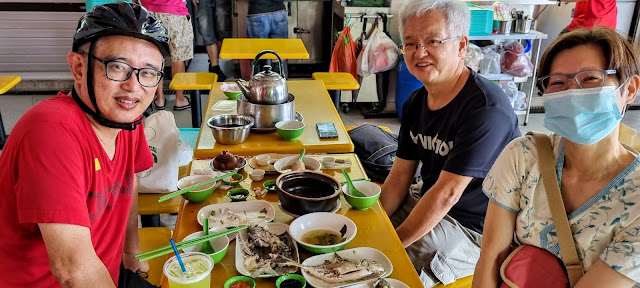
(322, 221)
(256, 174)
(328, 162)
(263, 159)
(284, 165)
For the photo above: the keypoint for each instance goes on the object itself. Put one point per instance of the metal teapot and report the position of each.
(266, 87)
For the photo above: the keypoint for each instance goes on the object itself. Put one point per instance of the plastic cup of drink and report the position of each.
(198, 275)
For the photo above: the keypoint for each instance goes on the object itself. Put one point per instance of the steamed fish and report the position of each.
(339, 270)
(262, 250)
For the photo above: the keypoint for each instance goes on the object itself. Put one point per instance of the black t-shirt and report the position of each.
(265, 6)
(464, 137)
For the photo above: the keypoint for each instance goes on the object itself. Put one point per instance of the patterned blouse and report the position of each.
(605, 227)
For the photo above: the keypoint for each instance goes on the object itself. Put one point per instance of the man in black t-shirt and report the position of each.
(455, 126)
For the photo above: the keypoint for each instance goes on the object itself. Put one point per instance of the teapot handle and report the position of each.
(255, 60)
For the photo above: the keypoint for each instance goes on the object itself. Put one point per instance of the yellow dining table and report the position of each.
(374, 228)
(312, 101)
(248, 48)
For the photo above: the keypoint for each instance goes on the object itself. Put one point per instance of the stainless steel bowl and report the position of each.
(266, 116)
(230, 129)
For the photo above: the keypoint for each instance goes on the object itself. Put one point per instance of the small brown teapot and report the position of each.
(225, 161)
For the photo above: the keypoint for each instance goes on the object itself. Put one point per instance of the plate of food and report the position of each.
(237, 213)
(266, 250)
(268, 169)
(346, 267)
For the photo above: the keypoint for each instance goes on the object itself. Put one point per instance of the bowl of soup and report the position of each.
(303, 192)
(322, 232)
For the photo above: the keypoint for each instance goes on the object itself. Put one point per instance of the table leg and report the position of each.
(196, 109)
(335, 97)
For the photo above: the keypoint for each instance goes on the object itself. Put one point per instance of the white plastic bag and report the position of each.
(381, 54)
(490, 64)
(162, 137)
(473, 56)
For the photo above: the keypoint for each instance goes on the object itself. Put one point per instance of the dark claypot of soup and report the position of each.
(303, 192)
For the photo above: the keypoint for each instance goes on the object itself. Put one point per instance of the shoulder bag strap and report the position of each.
(558, 212)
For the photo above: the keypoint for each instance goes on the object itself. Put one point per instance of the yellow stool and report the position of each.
(336, 81)
(194, 81)
(151, 239)
(148, 204)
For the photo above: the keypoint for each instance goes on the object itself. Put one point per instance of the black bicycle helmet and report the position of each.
(120, 18)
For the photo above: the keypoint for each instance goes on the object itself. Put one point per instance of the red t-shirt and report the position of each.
(54, 170)
(590, 13)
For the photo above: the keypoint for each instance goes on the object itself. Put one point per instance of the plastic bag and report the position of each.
(514, 61)
(381, 54)
(490, 64)
(162, 138)
(343, 58)
(473, 56)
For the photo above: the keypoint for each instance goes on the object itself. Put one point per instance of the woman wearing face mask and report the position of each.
(591, 76)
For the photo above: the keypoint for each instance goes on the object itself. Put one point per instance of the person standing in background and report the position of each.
(267, 19)
(214, 24)
(175, 17)
(591, 13)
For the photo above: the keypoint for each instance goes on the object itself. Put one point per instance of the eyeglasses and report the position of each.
(119, 71)
(410, 48)
(585, 79)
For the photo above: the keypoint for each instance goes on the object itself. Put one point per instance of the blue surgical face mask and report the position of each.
(582, 116)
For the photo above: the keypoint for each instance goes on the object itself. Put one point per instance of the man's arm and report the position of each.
(397, 184)
(131, 240)
(432, 207)
(496, 242)
(72, 259)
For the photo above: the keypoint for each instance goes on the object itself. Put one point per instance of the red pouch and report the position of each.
(529, 266)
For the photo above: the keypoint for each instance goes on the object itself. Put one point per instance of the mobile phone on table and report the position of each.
(326, 130)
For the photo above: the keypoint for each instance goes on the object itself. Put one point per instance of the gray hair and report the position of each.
(456, 13)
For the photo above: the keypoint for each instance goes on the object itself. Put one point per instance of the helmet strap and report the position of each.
(92, 96)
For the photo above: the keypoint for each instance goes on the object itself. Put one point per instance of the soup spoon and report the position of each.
(352, 189)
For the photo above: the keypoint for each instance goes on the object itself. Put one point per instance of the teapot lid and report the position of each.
(267, 75)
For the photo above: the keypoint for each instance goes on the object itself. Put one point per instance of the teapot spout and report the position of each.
(244, 87)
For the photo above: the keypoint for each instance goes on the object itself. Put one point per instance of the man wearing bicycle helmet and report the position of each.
(68, 201)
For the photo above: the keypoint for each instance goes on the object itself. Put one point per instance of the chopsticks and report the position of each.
(168, 249)
(195, 186)
(359, 179)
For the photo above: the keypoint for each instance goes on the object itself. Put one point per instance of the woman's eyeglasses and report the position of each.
(557, 82)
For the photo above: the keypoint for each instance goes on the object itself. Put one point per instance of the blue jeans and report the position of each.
(214, 20)
(268, 25)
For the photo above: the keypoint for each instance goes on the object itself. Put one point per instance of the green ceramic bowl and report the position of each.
(220, 245)
(200, 194)
(372, 190)
(247, 279)
(296, 277)
(238, 194)
(271, 183)
(235, 179)
(233, 95)
(289, 130)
